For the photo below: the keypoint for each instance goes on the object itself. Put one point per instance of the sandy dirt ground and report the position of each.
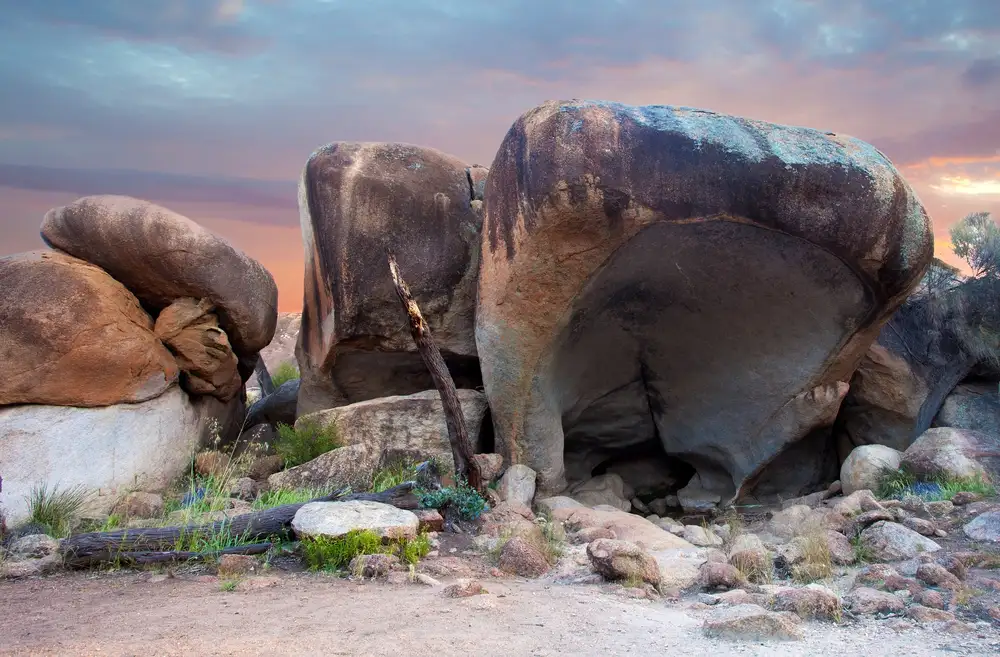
(304, 614)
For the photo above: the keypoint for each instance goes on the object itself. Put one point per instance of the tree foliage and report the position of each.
(976, 239)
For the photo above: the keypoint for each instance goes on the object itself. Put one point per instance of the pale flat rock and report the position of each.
(890, 541)
(985, 527)
(333, 519)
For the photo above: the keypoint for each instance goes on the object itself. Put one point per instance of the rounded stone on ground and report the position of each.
(866, 465)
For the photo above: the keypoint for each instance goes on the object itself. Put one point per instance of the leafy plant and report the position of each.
(862, 554)
(298, 445)
(229, 585)
(330, 554)
(976, 238)
(284, 373)
(55, 510)
(412, 551)
(464, 499)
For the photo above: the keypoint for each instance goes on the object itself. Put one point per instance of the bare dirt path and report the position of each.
(134, 614)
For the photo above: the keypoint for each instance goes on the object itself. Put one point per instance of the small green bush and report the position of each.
(393, 475)
(301, 445)
(330, 554)
(284, 373)
(55, 510)
(465, 499)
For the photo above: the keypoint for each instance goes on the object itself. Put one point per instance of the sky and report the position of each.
(211, 107)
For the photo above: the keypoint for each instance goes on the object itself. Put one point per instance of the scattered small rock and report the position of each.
(985, 527)
(923, 614)
(857, 502)
(211, 464)
(866, 600)
(430, 520)
(714, 575)
(812, 601)
(890, 541)
(463, 588)
(265, 466)
(701, 537)
(235, 565)
(618, 560)
(899, 583)
(519, 557)
(244, 489)
(940, 508)
(954, 565)
(937, 575)
(964, 497)
(753, 623)
(929, 598)
(866, 519)
(919, 525)
(426, 580)
(373, 566)
(875, 575)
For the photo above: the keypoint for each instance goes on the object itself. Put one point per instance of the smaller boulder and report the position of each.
(522, 558)
(721, 576)
(937, 575)
(870, 601)
(984, 527)
(490, 466)
(33, 546)
(921, 526)
(236, 565)
(700, 537)
(517, 485)
(211, 464)
(245, 489)
(430, 520)
(607, 489)
(752, 623)
(948, 452)
(265, 466)
(923, 614)
(865, 466)
(929, 598)
(810, 602)
(590, 534)
(463, 588)
(620, 560)
(141, 505)
(749, 555)
(875, 575)
(857, 502)
(333, 519)
(890, 541)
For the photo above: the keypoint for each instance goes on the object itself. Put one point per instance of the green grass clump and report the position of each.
(272, 498)
(330, 554)
(861, 552)
(229, 585)
(897, 483)
(304, 443)
(218, 539)
(324, 553)
(284, 373)
(465, 499)
(55, 510)
(393, 475)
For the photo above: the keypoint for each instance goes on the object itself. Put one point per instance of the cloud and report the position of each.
(982, 72)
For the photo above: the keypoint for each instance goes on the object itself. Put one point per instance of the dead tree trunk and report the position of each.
(466, 467)
(108, 547)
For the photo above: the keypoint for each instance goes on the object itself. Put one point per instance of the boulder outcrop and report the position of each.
(674, 277)
(356, 201)
(190, 329)
(73, 336)
(162, 256)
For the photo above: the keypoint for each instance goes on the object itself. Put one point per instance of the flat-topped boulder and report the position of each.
(73, 336)
(162, 256)
(358, 201)
(672, 279)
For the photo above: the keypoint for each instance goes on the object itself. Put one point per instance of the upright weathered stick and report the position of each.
(466, 467)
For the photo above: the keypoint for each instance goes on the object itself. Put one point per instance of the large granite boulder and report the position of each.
(73, 336)
(972, 406)
(675, 277)
(358, 200)
(105, 450)
(378, 432)
(162, 256)
(954, 454)
(925, 350)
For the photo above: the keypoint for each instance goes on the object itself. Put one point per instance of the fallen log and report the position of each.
(107, 547)
(466, 467)
(147, 558)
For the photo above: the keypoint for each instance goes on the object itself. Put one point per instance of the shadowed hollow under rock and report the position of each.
(658, 277)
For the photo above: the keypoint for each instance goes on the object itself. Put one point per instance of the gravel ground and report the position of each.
(137, 614)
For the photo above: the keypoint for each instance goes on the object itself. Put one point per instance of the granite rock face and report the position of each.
(635, 260)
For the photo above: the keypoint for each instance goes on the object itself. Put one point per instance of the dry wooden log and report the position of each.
(462, 451)
(107, 547)
(146, 558)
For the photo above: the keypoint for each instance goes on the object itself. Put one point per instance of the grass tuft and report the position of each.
(895, 484)
(331, 554)
(284, 373)
(463, 498)
(304, 443)
(862, 554)
(280, 497)
(55, 510)
(393, 475)
(817, 562)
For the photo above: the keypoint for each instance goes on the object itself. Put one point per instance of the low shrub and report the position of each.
(330, 554)
(393, 475)
(464, 499)
(301, 445)
(897, 484)
(284, 373)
